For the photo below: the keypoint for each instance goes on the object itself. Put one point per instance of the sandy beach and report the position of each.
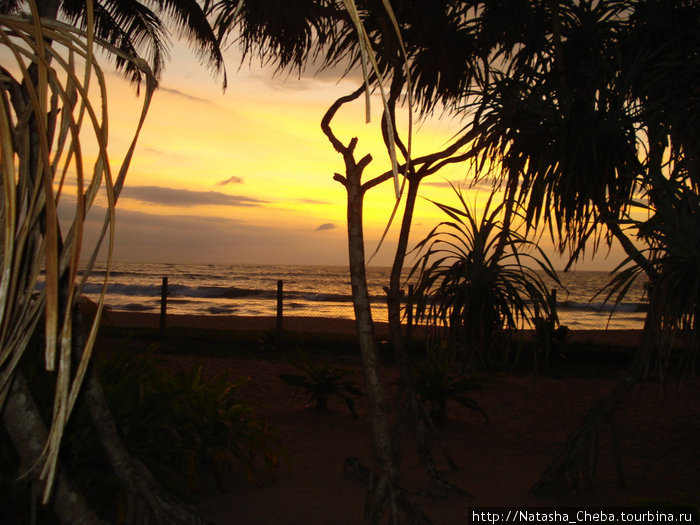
(500, 458)
(317, 325)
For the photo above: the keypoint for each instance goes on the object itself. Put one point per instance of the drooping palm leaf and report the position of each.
(45, 115)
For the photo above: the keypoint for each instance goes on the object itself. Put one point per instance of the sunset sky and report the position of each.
(245, 175)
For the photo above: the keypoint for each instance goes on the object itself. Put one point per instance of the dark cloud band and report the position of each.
(186, 198)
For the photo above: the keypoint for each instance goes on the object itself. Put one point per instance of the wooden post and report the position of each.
(163, 305)
(280, 295)
(409, 312)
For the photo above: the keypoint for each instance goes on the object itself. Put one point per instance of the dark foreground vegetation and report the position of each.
(193, 430)
(523, 356)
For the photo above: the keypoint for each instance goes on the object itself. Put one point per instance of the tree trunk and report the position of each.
(28, 434)
(384, 479)
(408, 405)
(384, 491)
(145, 495)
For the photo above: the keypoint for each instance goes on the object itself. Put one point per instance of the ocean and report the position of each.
(318, 291)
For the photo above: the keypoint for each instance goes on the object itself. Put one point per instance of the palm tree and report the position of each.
(45, 115)
(564, 136)
(584, 120)
(138, 29)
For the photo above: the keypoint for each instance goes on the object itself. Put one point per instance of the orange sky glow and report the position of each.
(245, 175)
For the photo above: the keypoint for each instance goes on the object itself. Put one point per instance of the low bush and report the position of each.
(320, 380)
(190, 431)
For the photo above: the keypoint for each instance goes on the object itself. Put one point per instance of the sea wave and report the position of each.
(315, 290)
(603, 306)
(183, 292)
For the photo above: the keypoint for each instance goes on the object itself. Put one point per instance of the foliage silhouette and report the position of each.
(477, 282)
(190, 431)
(320, 380)
(438, 380)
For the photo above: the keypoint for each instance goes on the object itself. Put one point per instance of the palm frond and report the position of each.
(43, 128)
(473, 288)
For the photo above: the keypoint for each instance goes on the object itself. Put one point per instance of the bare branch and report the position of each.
(326, 121)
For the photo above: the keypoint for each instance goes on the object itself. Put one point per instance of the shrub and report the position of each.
(206, 427)
(183, 426)
(477, 280)
(439, 381)
(320, 380)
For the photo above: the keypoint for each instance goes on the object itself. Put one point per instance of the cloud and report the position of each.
(231, 180)
(184, 95)
(186, 198)
(146, 236)
(325, 226)
(175, 223)
(312, 201)
(149, 237)
(485, 183)
(313, 76)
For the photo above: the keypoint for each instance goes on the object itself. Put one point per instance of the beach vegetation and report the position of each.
(320, 381)
(191, 432)
(671, 232)
(50, 185)
(56, 172)
(576, 110)
(439, 380)
(569, 113)
(550, 337)
(480, 282)
(581, 126)
(211, 430)
(401, 50)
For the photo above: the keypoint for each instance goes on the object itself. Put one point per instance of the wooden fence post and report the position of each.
(280, 313)
(409, 312)
(163, 305)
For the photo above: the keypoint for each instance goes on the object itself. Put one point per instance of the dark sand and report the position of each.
(529, 419)
(318, 325)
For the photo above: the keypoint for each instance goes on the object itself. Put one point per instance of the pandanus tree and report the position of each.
(405, 58)
(423, 53)
(47, 114)
(479, 282)
(584, 117)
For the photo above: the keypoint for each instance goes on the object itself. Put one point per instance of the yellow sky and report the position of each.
(245, 176)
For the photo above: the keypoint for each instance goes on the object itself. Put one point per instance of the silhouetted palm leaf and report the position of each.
(476, 279)
(140, 29)
(672, 234)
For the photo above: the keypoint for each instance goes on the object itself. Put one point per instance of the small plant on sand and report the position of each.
(438, 381)
(320, 380)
